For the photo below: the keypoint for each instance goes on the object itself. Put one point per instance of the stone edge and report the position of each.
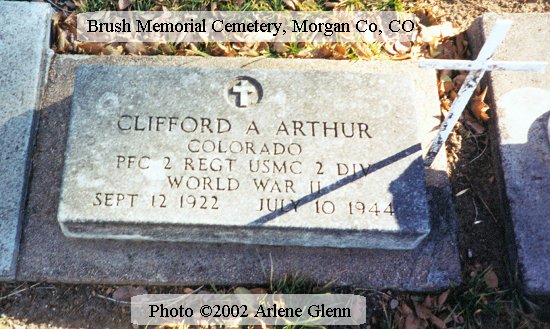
(477, 33)
(267, 235)
(426, 274)
(46, 57)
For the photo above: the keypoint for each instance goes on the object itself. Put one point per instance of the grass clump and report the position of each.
(247, 5)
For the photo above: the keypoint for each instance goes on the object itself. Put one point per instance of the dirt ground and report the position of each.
(481, 225)
(463, 12)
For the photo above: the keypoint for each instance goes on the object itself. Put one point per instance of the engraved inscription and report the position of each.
(242, 154)
(271, 169)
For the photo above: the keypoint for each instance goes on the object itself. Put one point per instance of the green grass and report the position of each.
(477, 303)
(472, 305)
(240, 5)
(93, 5)
(296, 284)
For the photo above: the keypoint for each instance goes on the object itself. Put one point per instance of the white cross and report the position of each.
(477, 69)
(243, 90)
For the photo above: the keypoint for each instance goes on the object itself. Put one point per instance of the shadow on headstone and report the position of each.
(402, 189)
(526, 184)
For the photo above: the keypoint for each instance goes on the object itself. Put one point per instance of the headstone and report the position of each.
(24, 42)
(47, 254)
(257, 156)
(521, 104)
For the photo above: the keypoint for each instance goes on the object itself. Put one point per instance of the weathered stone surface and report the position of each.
(311, 158)
(24, 41)
(46, 254)
(521, 103)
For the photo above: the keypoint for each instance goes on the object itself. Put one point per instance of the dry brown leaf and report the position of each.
(438, 322)
(221, 49)
(63, 45)
(441, 88)
(448, 50)
(442, 298)
(448, 85)
(452, 95)
(56, 18)
(445, 105)
(412, 322)
(428, 302)
(91, 48)
(340, 49)
(401, 57)
(473, 124)
(388, 46)
(430, 16)
(279, 47)
(112, 50)
(246, 52)
(444, 30)
(125, 293)
(322, 52)
(458, 319)
(491, 279)
(361, 50)
(478, 106)
(187, 290)
(402, 47)
(135, 48)
(461, 45)
(142, 48)
(459, 79)
(241, 290)
(405, 309)
(123, 4)
(445, 84)
(166, 49)
(69, 23)
(253, 45)
(258, 291)
(290, 4)
(262, 46)
(433, 47)
(422, 311)
(304, 53)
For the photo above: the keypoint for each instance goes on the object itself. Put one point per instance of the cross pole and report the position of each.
(477, 68)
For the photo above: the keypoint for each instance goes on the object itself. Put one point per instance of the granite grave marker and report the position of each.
(521, 104)
(256, 156)
(24, 43)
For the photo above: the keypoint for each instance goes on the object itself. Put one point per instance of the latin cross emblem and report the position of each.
(243, 89)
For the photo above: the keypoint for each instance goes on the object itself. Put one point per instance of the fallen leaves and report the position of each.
(123, 4)
(422, 311)
(291, 4)
(449, 82)
(431, 40)
(478, 106)
(431, 311)
(437, 32)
